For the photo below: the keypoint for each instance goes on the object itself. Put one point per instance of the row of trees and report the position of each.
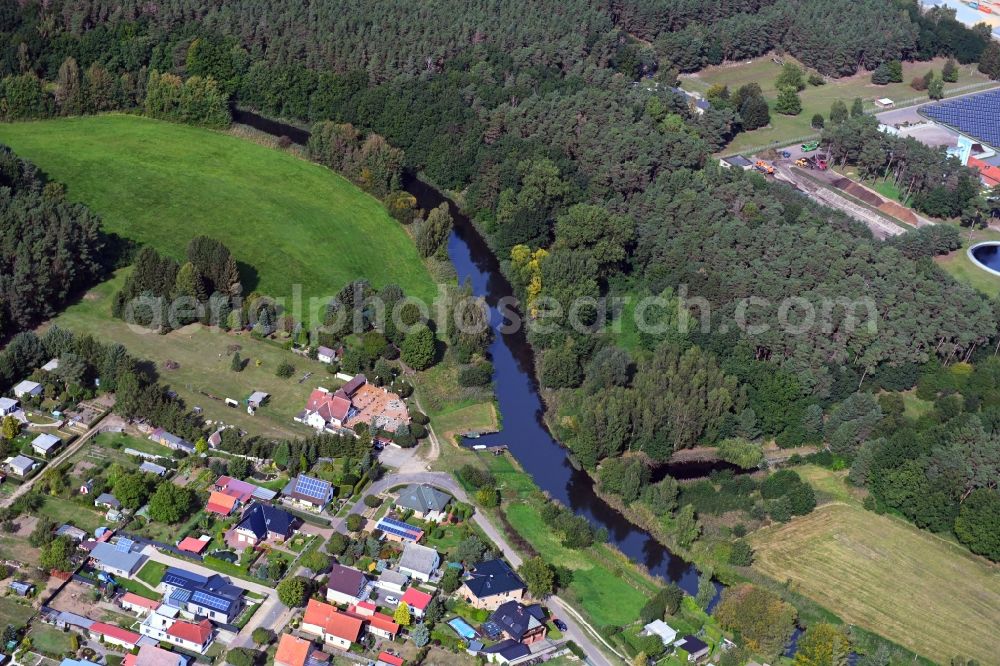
(50, 249)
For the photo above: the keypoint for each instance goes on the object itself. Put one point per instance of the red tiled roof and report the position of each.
(136, 600)
(188, 631)
(390, 659)
(117, 633)
(416, 598)
(292, 651)
(192, 545)
(332, 620)
(990, 173)
(383, 622)
(221, 503)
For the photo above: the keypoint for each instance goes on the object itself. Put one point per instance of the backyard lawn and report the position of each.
(12, 612)
(49, 640)
(817, 99)
(62, 510)
(293, 223)
(151, 573)
(884, 574)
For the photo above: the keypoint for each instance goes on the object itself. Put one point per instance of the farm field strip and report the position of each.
(882, 574)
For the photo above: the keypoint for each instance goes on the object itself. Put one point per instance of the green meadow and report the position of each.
(291, 222)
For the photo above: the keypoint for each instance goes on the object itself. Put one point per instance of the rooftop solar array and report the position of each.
(210, 601)
(975, 115)
(312, 487)
(400, 529)
(124, 545)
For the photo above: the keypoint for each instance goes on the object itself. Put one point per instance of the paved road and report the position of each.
(570, 616)
(271, 614)
(106, 422)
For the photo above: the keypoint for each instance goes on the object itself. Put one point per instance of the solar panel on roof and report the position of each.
(974, 115)
(312, 487)
(124, 545)
(210, 601)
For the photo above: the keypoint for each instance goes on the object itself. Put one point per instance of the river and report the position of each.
(524, 431)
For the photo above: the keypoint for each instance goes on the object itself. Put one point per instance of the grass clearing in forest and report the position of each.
(960, 267)
(817, 99)
(290, 221)
(203, 365)
(886, 576)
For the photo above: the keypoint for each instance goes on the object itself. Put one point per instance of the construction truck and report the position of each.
(764, 167)
(803, 162)
(821, 162)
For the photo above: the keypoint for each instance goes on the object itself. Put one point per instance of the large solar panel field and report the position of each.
(978, 116)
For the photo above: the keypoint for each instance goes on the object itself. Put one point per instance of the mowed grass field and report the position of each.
(964, 270)
(885, 575)
(817, 99)
(204, 365)
(292, 221)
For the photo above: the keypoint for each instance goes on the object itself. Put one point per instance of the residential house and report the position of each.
(107, 500)
(154, 655)
(67, 620)
(326, 411)
(695, 648)
(378, 624)
(490, 584)
(261, 522)
(28, 389)
(326, 355)
(416, 600)
(345, 585)
(21, 466)
(171, 441)
(192, 545)
(418, 561)
(507, 652)
(20, 588)
(221, 503)
(391, 581)
(397, 530)
(294, 651)
(8, 406)
(114, 635)
(45, 444)
(243, 490)
(309, 492)
(427, 502)
(141, 605)
(119, 559)
(163, 625)
(660, 628)
(195, 595)
(524, 624)
(153, 468)
(215, 439)
(335, 628)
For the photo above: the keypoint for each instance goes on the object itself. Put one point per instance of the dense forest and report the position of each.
(587, 185)
(50, 248)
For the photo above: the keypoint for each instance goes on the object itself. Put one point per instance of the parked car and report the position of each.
(560, 625)
(391, 600)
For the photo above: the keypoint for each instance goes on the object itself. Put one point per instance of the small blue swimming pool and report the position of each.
(462, 628)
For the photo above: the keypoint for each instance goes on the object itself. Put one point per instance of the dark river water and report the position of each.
(524, 430)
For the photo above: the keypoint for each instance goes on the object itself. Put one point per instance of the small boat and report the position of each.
(974, 5)
(479, 447)
(985, 9)
(472, 435)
